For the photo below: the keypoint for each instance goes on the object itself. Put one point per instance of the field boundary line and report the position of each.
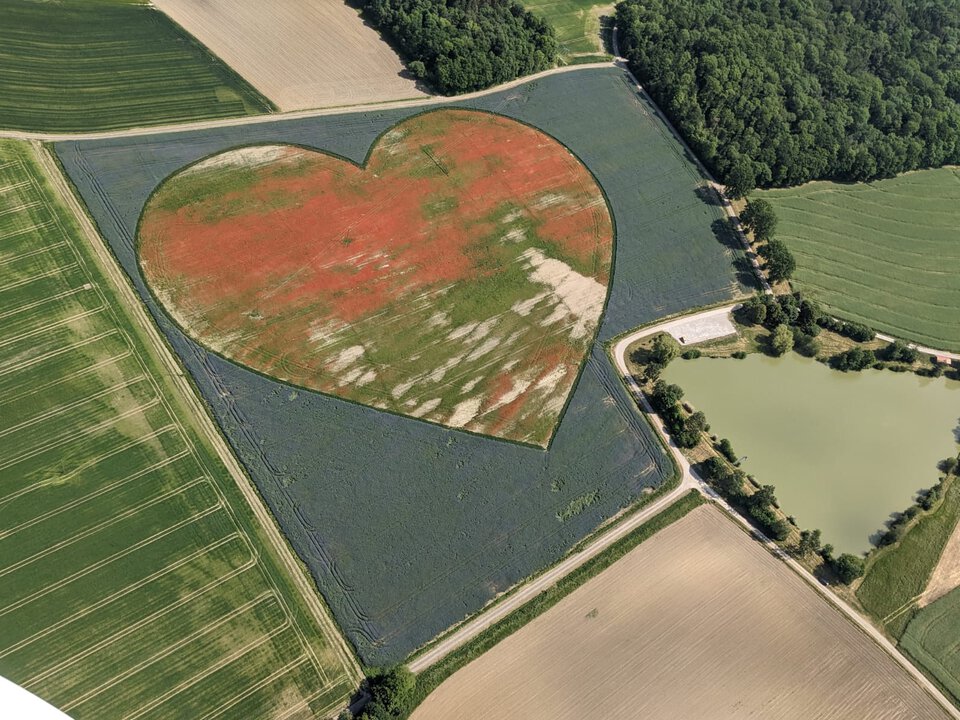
(300, 583)
(106, 561)
(94, 529)
(170, 649)
(60, 409)
(103, 602)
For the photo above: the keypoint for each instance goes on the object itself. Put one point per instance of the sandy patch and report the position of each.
(346, 358)
(465, 412)
(582, 297)
(428, 407)
(243, 157)
(299, 53)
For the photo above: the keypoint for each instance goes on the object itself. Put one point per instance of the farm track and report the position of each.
(203, 422)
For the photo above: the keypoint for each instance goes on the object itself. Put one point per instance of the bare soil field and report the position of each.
(946, 575)
(301, 55)
(698, 622)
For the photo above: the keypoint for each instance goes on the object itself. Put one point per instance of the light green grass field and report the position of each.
(884, 253)
(931, 641)
(99, 64)
(897, 575)
(135, 581)
(577, 23)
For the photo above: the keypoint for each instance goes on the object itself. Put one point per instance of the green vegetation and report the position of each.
(460, 45)
(784, 92)
(877, 253)
(898, 574)
(431, 678)
(931, 641)
(100, 64)
(136, 578)
(451, 538)
(582, 33)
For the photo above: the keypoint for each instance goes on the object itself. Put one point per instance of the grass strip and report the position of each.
(431, 678)
(899, 573)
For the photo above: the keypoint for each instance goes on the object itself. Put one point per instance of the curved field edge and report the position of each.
(67, 230)
(487, 513)
(879, 253)
(541, 334)
(430, 679)
(107, 64)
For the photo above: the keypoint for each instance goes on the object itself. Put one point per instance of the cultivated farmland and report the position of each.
(407, 526)
(101, 64)
(136, 581)
(300, 55)
(882, 253)
(931, 640)
(577, 24)
(457, 277)
(698, 622)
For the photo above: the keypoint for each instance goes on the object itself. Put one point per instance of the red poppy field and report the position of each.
(458, 277)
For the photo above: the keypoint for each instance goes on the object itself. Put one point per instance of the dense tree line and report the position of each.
(778, 93)
(463, 45)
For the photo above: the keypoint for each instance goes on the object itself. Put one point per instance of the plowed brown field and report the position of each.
(299, 53)
(700, 622)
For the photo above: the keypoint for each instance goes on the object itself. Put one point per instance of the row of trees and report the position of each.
(463, 45)
(779, 93)
(759, 218)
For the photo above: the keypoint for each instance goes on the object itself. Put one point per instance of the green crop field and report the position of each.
(101, 64)
(882, 253)
(931, 641)
(577, 24)
(135, 580)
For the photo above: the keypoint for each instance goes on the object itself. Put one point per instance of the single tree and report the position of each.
(664, 349)
(848, 567)
(780, 261)
(740, 180)
(781, 341)
(809, 542)
(760, 219)
(755, 310)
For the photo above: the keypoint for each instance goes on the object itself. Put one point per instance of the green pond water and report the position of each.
(844, 450)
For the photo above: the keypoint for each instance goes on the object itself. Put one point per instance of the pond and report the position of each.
(844, 450)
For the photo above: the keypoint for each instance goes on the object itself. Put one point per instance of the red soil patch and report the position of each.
(268, 270)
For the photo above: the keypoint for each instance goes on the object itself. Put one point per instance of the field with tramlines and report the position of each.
(883, 253)
(700, 621)
(931, 640)
(135, 581)
(409, 526)
(100, 64)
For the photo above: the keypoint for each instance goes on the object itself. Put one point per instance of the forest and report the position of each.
(462, 45)
(779, 92)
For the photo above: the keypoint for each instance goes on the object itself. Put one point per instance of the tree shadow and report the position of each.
(606, 33)
(708, 195)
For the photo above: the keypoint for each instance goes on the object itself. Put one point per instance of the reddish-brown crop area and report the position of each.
(458, 277)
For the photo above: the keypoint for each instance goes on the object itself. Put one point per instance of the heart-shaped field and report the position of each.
(458, 277)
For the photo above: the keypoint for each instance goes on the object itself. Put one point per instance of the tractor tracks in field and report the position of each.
(202, 421)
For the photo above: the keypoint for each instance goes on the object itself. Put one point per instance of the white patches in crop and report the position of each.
(438, 373)
(400, 390)
(482, 330)
(511, 216)
(368, 377)
(462, 331)
(438, 319)
(244, 157)
(346, 358)
(427, 407)
(481, 350)
(465, 412)
(579, 296)
(548, 383)
(515, 235)
(549, 200)
(470, 385)
(326, 333)
(519, 387)
(525, 307)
